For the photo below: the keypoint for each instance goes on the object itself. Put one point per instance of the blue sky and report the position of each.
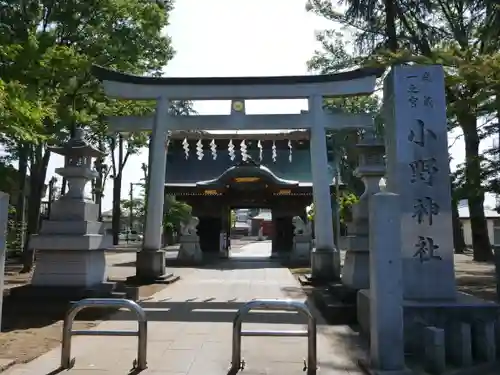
(237, 38)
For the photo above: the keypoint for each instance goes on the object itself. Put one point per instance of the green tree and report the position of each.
(20, 116)
(461, 35)
(176, 212)
(54, 45)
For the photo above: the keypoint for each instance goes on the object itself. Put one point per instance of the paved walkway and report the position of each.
(261, 249)
(190, 324)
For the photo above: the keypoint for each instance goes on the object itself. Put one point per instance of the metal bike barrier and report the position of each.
(237, 363)
(142, 331)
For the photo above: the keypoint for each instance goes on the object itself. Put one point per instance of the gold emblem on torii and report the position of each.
(238, 105)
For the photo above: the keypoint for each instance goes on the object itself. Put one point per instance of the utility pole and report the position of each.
(131, 208)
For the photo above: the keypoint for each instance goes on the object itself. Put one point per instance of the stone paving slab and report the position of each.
(190, 330)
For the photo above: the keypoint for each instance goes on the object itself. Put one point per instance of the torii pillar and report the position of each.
(325, 259)
(150, 264)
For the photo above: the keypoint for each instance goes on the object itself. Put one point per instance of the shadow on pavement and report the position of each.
(236, 263)
(208, 312)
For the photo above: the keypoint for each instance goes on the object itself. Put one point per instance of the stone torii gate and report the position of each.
(325, 260)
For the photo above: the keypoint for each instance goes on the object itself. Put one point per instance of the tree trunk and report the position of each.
(390, 19)
(475, 192)
(458, 234)
(37, 181)
(100, 181)
(117, 191)
(21, 199)
(116, 220)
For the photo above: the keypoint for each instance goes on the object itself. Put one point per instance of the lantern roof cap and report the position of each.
(77, 146)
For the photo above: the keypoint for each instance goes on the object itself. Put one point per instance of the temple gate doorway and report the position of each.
(245, 184)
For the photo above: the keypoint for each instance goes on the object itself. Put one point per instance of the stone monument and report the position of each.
(302, 241)
(71, 243)
(355, 273)
(190, 250)
(440, 324)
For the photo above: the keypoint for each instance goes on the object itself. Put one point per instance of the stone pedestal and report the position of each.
(323, 262)
(301, 252)
(190, 250)
(70, 246)
(302, 241)
(150, 265)
(260, 234)
(356, 273)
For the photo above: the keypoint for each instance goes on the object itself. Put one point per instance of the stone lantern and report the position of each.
(371, 168)
(71, 243)
(77, 169)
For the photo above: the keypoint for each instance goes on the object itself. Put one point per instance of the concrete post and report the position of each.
(434, 350)
(386, 293)
(151, 260)
(323, 265)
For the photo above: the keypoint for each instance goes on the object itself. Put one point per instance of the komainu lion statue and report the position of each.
(301, 228)
(189, 228)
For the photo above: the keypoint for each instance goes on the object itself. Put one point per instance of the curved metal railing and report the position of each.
(269, 304)
(142, 331)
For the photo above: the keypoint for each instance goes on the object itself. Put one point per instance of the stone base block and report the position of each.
(65, 228)
(368, 369)
(70, 242)
(356, 270)
(150, 265)
(66, 209)
(343, 293)
(333, 309)
(358, 241)
(323, 265)
(301, 252)
(466, 310)
(72, 268)
(190, 252)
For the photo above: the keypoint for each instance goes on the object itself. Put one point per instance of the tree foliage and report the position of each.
(345, 201)
(47, 90)
(176, 212)
(462, 35)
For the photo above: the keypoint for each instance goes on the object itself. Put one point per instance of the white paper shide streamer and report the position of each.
(213, 148)
(274, 153)
(289, 151)
(243, 150)
(259, 146)
(199, 149)
(185, 146)
(230, 148)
